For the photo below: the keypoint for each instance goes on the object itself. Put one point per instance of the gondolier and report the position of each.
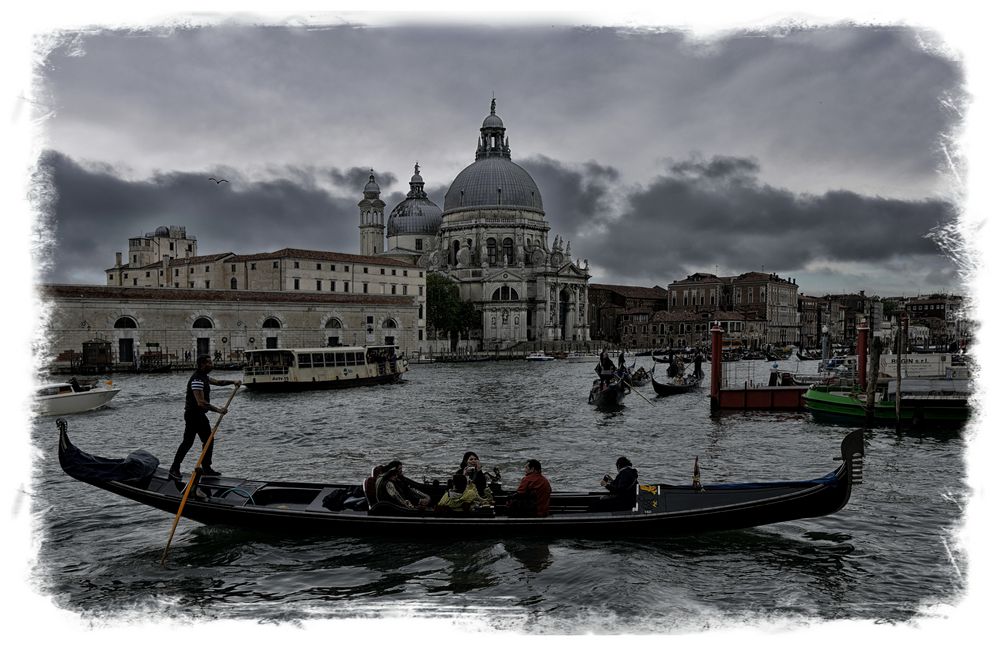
(196, 406)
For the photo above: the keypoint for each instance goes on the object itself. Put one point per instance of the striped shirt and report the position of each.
(198, 381)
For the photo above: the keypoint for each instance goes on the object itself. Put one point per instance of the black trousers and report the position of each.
(195, 423)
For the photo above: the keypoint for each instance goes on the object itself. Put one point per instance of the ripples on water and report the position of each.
(883, 557)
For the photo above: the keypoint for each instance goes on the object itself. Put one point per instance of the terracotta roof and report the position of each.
(227, 295)
(330, 256)
(630, 291)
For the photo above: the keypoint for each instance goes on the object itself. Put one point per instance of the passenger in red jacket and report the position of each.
(533, 494)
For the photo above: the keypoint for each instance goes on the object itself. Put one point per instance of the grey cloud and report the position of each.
(702, 213)
(93, 211)
(573, 195)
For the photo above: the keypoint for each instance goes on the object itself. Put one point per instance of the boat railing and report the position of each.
(264, 371)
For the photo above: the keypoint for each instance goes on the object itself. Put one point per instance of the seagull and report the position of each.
(219, 181)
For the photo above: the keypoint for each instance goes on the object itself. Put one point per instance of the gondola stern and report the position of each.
(852, 450)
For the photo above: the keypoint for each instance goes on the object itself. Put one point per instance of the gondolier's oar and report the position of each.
(194, 475)
(628, 380)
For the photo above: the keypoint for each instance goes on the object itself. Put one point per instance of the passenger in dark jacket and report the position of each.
(393, 488)
(621, 488)
(472, 469)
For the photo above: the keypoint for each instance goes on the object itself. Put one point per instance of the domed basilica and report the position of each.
(492, 240)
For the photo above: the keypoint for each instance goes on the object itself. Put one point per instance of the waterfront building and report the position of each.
(687, 329)
(852, 309)
(181, 324)
(616, 309)
(492, 239)
(942, 315)
(757, 295)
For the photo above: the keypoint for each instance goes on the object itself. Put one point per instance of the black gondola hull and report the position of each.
(298, 508)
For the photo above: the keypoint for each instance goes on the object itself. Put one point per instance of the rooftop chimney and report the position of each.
(118, 259)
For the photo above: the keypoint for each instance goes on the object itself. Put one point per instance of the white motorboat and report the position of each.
(539, 356)
(69, 398)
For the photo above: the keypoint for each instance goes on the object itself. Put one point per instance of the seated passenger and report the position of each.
(461, 496)
(393, 488)
(472, 469)
(621, 489)
(533, 494)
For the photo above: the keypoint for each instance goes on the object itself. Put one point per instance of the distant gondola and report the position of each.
(677, 386)
(613, 396)
(640, 377)
(305, 509)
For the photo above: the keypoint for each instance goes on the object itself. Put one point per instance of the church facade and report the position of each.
(492, 240)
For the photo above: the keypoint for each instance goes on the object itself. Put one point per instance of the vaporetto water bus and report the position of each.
(312, 368)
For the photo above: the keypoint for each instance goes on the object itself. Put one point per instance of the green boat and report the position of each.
(924, 403)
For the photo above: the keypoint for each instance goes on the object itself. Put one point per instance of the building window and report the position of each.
(208, 268)
(208, 284)
(333, 285)
(393, 289)
(232, 267)
(274, 265)
(508, 251)
(420, 244)
(334, 324)
(147, 274)
(404, 290)
(203, 322)
(189, 247)
(177, 272)
(232, 283)
(332, 341)
(296, 265)
(420, 335)
(491, 251)
(347, 286)
(126, 322)
(319, 266)
(135, 259)
(420, 313)
(271, 322)
(420, 290)
(365, 270)
(346, 268)
(171, 246)
(421, 274)
(161, 272)
(393, 272)
(295, 283)
(253, 266)
(404, 273)
(364, 288)
(135, 281)
(177, 284)
(383, 271)
(190, 270)
(319, 285)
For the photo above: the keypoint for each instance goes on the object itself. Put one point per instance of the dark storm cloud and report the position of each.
(702, 213)
(355, 179)
(573, 195)
(92, 211)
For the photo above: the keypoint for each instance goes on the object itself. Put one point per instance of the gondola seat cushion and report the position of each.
(369, 485)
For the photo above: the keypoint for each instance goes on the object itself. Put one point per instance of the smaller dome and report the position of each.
(492, 121)
(162, 231)
(372, 186)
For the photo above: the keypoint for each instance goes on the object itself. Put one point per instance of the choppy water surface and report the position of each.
(883, 557)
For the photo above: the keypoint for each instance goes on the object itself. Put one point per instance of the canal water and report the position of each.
(888, 556)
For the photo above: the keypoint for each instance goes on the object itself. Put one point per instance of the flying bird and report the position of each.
(219, 181)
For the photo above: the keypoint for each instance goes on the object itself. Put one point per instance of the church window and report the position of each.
(491, 251)
(232, 267)
(203, 322)
(508, 251)
(232, 283)
(420, 244)
(271, 322)
(334, 324)
(389, 324)
(126, 322)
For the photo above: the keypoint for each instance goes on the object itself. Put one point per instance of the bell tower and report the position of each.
(372, 219)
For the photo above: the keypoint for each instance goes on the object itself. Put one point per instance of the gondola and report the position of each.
(305, 509)
(640, 378)
(611, 397)
(677, 385)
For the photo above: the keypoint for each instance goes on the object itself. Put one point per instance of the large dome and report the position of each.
(417, 214)
(493, 182)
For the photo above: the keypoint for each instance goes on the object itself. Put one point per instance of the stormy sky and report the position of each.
(817, 152)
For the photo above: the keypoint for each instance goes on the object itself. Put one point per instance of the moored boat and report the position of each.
(923, 403)
(70, 398)
(538, 355)
(308, 509)
(315, 368)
